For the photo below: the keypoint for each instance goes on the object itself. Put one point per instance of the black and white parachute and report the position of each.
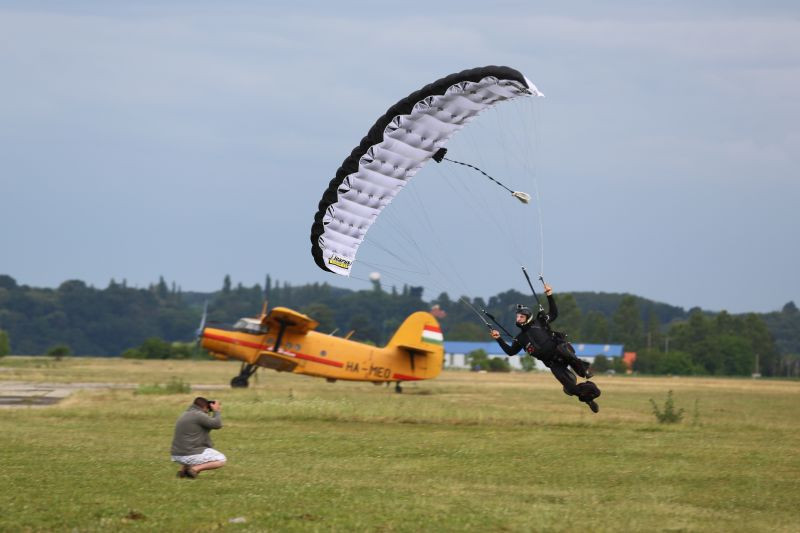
(401, 142)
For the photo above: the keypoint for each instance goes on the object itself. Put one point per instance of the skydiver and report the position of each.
(552, 349)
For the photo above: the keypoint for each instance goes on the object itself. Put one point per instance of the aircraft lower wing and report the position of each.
(276, 361)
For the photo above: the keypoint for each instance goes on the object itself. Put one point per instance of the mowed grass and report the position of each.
(464, 452)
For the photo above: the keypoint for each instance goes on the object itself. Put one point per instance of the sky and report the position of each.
(191, 140)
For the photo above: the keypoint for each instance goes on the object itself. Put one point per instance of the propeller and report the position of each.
(199, 332)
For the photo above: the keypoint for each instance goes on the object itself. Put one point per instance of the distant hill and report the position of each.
(107, 321)
(608, 302)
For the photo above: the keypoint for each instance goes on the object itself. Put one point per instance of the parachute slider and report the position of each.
(521, 196)
(439, 156)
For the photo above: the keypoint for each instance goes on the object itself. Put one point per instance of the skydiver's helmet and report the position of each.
(526, 312)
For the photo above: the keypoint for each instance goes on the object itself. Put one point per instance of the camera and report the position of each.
(209, 404)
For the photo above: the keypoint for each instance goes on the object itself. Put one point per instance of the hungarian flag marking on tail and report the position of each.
(432, 334)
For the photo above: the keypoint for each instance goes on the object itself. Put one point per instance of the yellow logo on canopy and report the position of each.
(339, 262)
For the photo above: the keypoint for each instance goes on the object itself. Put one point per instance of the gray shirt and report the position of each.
(192, 431)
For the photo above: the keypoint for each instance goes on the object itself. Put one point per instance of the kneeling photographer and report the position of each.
(191, 445)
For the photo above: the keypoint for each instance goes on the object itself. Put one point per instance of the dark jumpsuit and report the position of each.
(537, 340)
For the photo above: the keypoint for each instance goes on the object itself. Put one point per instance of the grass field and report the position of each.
(464, 452)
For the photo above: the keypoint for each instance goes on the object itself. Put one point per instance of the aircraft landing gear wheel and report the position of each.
(239, 382)
(397, 388)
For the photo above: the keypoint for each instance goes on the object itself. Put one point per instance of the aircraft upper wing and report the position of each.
(295, 322)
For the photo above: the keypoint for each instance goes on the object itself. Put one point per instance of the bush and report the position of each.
(173, 386)
(619, 365)
(132, 353)
(600, 364)
(528, 363)
(669, 415)
(5, 345)
(59, 351)
(155, 348)
(478, 360)
(499, 364)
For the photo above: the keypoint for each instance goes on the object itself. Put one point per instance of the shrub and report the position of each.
(173, 386)
(478, 360)
(59, 351)
(499, 364)
(132, 353)
(5, 346)
(600, 363)
(528, 363)
(669, 415)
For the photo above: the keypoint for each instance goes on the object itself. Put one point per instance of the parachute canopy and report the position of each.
(400, 142)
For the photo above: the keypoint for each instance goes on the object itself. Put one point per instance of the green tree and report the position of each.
(601, 363)
(322, 314)
(161, 288)
(527, 362)
(594, 328)
(364, 327)
(5, 344)
(569, 317)
(478, 360)
(654, 337)
(467, 331)
(760, 340)
(627, 324)
(675, 363)
(728, 355)
(647, 361)
(618, 365)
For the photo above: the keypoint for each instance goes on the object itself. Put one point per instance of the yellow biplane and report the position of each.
(286, 341)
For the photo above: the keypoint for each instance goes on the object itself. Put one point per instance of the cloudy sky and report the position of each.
(194, 139)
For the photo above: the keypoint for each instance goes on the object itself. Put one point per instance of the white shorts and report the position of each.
(208, 455)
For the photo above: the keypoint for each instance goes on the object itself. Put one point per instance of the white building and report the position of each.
(455, 353)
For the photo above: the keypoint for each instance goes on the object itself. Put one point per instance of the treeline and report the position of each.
(109, 321)
(667, 339)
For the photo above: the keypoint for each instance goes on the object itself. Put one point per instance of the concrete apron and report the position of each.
(35, 394)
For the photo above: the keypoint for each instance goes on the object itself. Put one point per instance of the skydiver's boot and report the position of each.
(580, 367)
(587, 393)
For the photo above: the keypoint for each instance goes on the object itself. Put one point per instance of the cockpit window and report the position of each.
(250, 325)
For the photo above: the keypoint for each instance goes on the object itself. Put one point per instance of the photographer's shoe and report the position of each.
(190, 473)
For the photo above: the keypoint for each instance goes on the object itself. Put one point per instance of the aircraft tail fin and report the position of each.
(420, 332)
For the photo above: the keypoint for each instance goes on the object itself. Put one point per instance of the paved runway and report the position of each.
(37, 394)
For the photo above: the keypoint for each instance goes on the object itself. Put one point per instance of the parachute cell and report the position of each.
(400, 142)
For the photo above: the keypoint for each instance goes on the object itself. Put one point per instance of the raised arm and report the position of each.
(552, 308)
(211, 422)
